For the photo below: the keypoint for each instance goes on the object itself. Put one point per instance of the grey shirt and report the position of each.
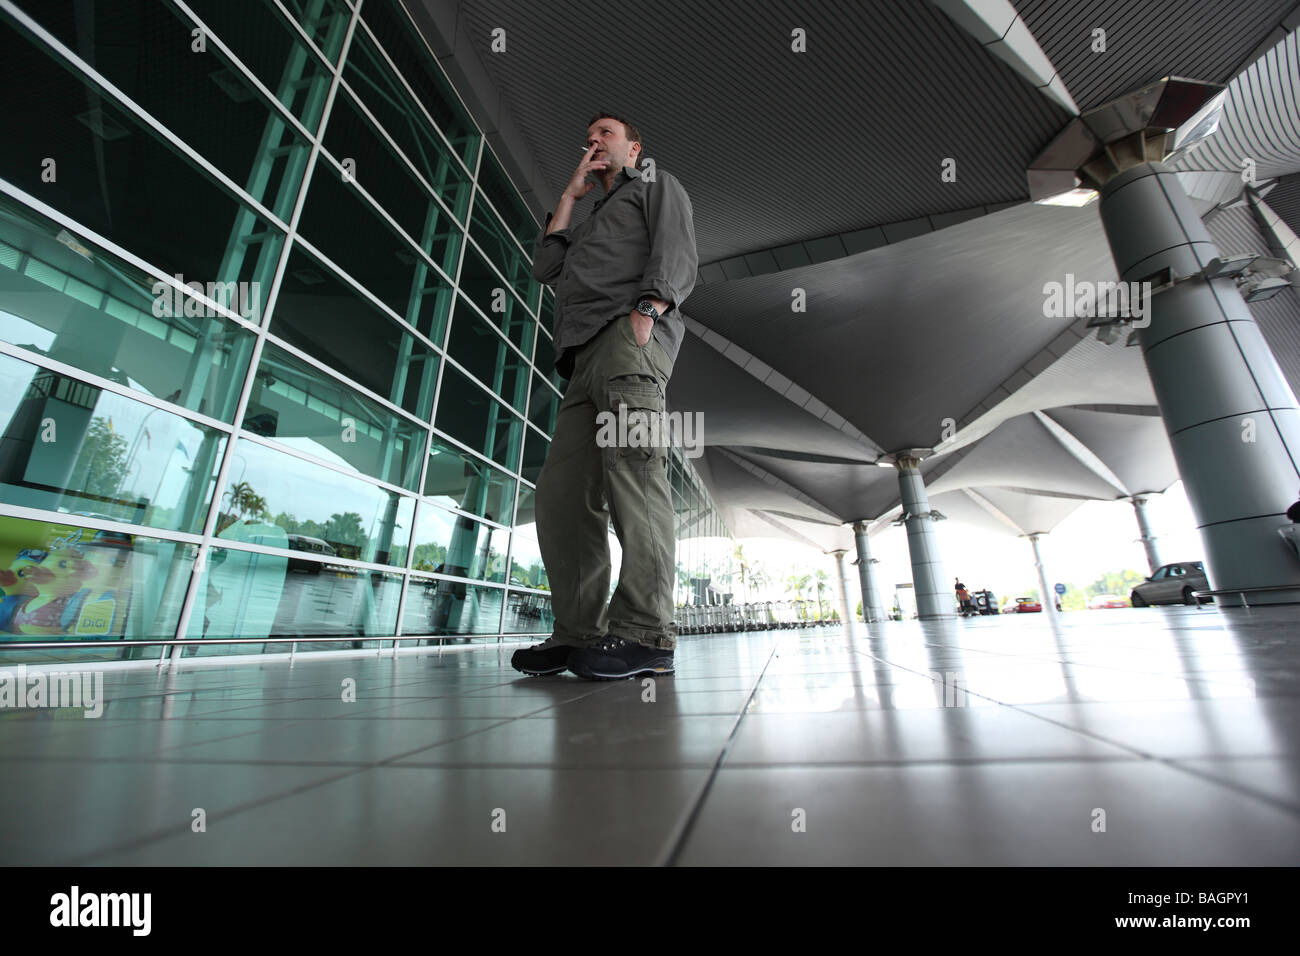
(638, 242)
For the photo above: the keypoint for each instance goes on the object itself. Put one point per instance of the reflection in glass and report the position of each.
(459, 480)
(535, 449)
(244, 594)
(298, 405)
(493, 181)
(328, 319)
(447, 543)
(542, 405)
(271, 496)
(502, 251)
(526, 567)
(438, 607)
(63, 581)
(68, 446)
(528, 613)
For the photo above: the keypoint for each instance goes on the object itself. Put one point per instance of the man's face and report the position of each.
(612, 143)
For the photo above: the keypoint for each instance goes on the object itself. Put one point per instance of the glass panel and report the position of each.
(485, 289)
(542, 405)
(373, 82)
(438, 607)
(258, 34)
(390, 183)
(300, 406)
(249, 595)
(460, 480)
(114, 176)
(468, 414)
(525, 513)
(271, 497)
(510, 207)
(64, 582)
(199, 96)
(526, 568)
(447, 543)
(328, 319)
(409, 53)
(474, 344)
(68, 446)
(535, 449)
(348, 230)
(500, 249)
(544, 361)
(88, 309)
(528, 613)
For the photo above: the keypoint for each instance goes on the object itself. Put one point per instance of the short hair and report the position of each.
(633, 134)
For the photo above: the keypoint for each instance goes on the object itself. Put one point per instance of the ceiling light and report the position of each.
(1072, 197)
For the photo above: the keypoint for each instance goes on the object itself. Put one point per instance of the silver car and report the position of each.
(1172, 584)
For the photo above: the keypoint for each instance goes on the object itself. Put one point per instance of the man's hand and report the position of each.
(578, 186)
(641, 326)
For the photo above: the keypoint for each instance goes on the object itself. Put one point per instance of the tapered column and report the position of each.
(846, 609)
(873, 610)
(1144, 528)
(929, 581)
(1232, 419)
(1049, 595)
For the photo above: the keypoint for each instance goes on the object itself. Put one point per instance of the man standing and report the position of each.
(620, 278)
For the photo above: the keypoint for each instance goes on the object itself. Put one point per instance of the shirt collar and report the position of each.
(625, 174)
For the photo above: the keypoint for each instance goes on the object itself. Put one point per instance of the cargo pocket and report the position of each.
(640, 430)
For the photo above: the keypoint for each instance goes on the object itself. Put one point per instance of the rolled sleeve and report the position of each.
(674, 263)
(549, 252)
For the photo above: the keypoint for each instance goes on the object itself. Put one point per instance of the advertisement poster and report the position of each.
(63, 581)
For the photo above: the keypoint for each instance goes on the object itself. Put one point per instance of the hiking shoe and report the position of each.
(548, 657)
(614, 658)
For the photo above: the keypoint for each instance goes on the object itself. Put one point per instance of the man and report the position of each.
(620, 278)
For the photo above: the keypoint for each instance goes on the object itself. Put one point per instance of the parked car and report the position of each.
(1102, 601)
(1172, 584)
(1024, 605)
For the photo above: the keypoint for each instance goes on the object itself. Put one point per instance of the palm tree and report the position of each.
(823, 583)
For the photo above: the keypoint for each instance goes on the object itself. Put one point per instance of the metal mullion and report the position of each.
(28, 513)
(312, 460)
(108, 385)
(437, 390)
(88, 72)
(344, 380)
(505, 283)
(454, 443)
(209, 528)
(290, 19)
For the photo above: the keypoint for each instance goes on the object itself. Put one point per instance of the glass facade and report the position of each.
(273, 364)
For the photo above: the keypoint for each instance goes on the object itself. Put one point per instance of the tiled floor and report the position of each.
(988, 741)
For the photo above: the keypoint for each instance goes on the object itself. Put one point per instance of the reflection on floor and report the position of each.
(1159, 736)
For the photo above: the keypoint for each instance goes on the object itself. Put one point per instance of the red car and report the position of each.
(1024, 606)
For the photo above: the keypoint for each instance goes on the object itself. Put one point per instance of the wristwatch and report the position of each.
(646, 308)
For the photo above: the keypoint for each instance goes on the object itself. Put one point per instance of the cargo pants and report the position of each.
(587, 481)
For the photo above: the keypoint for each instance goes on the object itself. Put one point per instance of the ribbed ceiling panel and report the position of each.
(1260, 120)
(773, 146)
(1147, 39)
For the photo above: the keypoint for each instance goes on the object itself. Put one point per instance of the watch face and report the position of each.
(645, 308)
